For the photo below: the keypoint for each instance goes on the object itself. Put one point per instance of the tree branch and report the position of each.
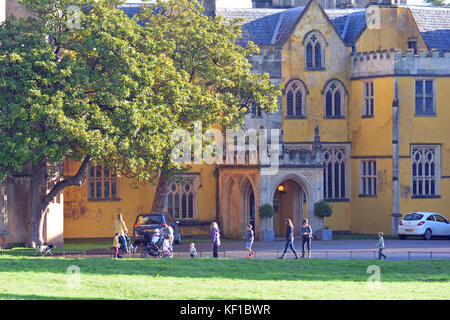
(76, 180)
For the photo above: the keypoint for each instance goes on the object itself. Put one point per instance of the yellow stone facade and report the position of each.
(231, 194)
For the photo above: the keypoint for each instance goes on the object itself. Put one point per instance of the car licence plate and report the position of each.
(409, 230)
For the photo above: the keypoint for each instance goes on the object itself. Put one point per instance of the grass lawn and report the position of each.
(206, 278)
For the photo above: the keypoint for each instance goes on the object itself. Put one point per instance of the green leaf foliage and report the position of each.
(116, 90)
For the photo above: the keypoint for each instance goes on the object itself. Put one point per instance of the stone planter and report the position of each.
(267, 235)
(324, 234)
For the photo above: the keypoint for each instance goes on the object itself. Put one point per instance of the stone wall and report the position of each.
(394, 63)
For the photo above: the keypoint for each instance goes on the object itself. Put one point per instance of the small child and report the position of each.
(166, 246)
(192, 250)
(381, 246)
(155, 236)
(249, 238)
(116, 245)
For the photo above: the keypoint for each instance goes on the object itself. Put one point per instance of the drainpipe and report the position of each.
(395, 217)
(216, 175)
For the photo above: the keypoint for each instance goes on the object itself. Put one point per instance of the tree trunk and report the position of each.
(40, 199)
(3, 214)
(38, 185)
(159, 201)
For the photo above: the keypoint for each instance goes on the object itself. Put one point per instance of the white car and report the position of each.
(426, 224)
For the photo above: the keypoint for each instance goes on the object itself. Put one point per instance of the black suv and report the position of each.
(151, 221)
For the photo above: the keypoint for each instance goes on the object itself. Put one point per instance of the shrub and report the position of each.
(266, 211)
(322, 209)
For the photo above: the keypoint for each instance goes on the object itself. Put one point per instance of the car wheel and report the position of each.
(427, 235)
(402, 237)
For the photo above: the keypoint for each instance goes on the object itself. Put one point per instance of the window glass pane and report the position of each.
(113, 190)
(330, 181)
(342, 180)
(364, 186)
(429, 87)
(177, 206)
(328, 103)
(183, 206)
(419, 105)
(429, 106)
(191, 206)
(106, 189)
(290, 104)
(106, 173)
(371, 89)
(371, 107)
(317, 55)
(336, 180)
(98, 171)
(298, 103)
(91, 190)
(91, 172)
(309, 62)
(337, 103)
(419, 87)
(99, 190)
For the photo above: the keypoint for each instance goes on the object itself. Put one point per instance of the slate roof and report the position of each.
(434, 25)
(274, 26)
(349, 23)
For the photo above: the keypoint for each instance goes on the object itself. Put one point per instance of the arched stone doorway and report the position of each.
(289, 201)
(239, 200)
(303, 189)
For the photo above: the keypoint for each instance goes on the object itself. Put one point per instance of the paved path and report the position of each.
(335, 249)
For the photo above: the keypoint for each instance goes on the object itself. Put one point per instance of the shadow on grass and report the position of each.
(12, 296)
(237, 269)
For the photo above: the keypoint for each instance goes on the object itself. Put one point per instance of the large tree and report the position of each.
(102, 89)
(100, 92)
(219, 75)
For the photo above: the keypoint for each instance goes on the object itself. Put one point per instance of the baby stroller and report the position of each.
(153, 249)
(132, 248)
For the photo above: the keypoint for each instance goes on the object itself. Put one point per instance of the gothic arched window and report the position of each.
(334, 99)
(335, 172)
(296, 99)
(315, 44)
(182, 200)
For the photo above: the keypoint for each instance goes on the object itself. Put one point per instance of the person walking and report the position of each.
(306, 232)
(120, 227)
(215, 238)
(289, 239)
(249, 238)
(381, 246)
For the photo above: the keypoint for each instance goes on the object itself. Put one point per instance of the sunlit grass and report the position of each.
(206, 278)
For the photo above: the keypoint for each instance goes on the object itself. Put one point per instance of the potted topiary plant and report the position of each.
(266, 212)
(323, 209)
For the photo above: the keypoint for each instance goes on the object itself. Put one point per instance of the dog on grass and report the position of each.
(44, 249)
